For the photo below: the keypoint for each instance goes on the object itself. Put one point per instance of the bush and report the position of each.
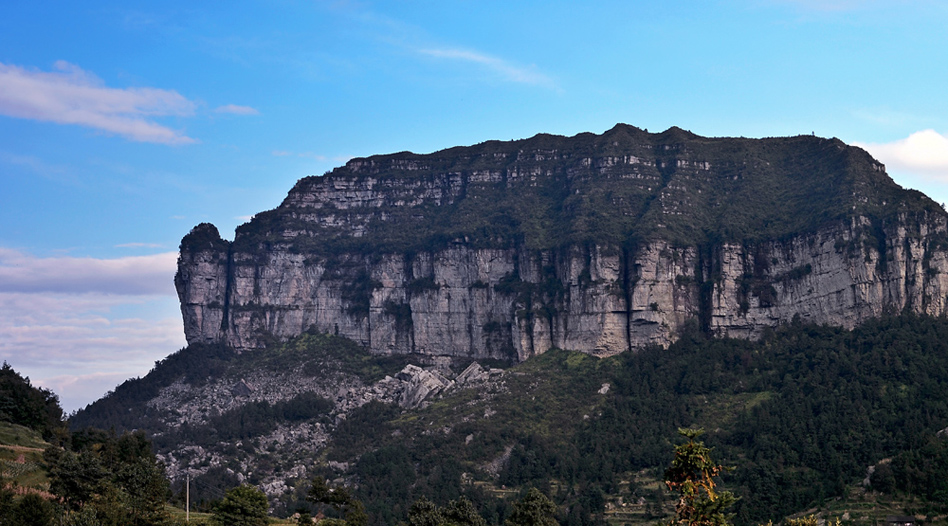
(242, 506)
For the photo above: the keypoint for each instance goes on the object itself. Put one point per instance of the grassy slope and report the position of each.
(21, 456)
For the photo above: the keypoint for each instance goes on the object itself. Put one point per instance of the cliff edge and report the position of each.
(596, 243)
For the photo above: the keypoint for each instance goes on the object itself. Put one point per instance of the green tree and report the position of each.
(691, 475)
(355, 513)
(75, 477)
(423, 512)
(534, 509)
(109, 481)
(32, 407)
(305, 519)
(146, 491)
(109, 507)
(6, 502)
(32, 510)
(340, 500)
(242, 506)
(461, 512)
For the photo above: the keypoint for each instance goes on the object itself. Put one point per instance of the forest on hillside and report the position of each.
(802, 414)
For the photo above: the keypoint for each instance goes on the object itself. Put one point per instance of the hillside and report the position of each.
(548, 312)
(595, 243)
(34, 408)
(802, 413)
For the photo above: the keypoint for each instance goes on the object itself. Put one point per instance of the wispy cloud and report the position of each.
(924, 153)
(139, 245)
(419, 42)
(237, 110)
(70, 95)
(81, 325)
(138, 275)
(888, 117)
(310, 155)
(82, 345)
(53, 172)
(828, 5)
(78, 390)
(506, 70)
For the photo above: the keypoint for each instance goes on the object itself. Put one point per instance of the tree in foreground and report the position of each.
(304, 519)
(6, 501)
(108, 480)
(460, 512)
(242, 506)
(340, 500)
(691, 475)
(32, 510)
(423, 512)
(534, 509)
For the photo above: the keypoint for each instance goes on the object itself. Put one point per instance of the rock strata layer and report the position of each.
(596, 243)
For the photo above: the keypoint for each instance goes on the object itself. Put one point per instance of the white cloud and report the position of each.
(80, 326)
(923, 153)
(82, 345)
(237, 110)
(138, 275)
(76, 391)
(70, 95)
(499, 66)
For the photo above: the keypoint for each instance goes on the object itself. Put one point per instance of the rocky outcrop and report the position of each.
(188, 407)
(600, 244)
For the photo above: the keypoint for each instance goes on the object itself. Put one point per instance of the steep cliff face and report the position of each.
(598, 243)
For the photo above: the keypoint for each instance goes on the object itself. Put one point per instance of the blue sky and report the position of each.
(124, 124)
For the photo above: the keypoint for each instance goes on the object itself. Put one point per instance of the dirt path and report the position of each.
(23, 449)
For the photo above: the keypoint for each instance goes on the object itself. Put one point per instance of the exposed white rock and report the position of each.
(420, 384)
(181, 403)
(508, 299)
(819, 277)
(474, 373)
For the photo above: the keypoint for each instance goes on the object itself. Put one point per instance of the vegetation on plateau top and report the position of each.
(615, 189)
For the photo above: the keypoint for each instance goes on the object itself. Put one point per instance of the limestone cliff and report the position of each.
(597, 243)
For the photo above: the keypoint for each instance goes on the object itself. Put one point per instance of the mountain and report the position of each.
(594, 243)
(547, 312)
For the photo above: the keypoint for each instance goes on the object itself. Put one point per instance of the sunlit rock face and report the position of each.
(596, 243)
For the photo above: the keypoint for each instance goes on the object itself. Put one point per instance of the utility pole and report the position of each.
(187, 498)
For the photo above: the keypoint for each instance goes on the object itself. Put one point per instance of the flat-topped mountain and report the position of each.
(597, 243)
